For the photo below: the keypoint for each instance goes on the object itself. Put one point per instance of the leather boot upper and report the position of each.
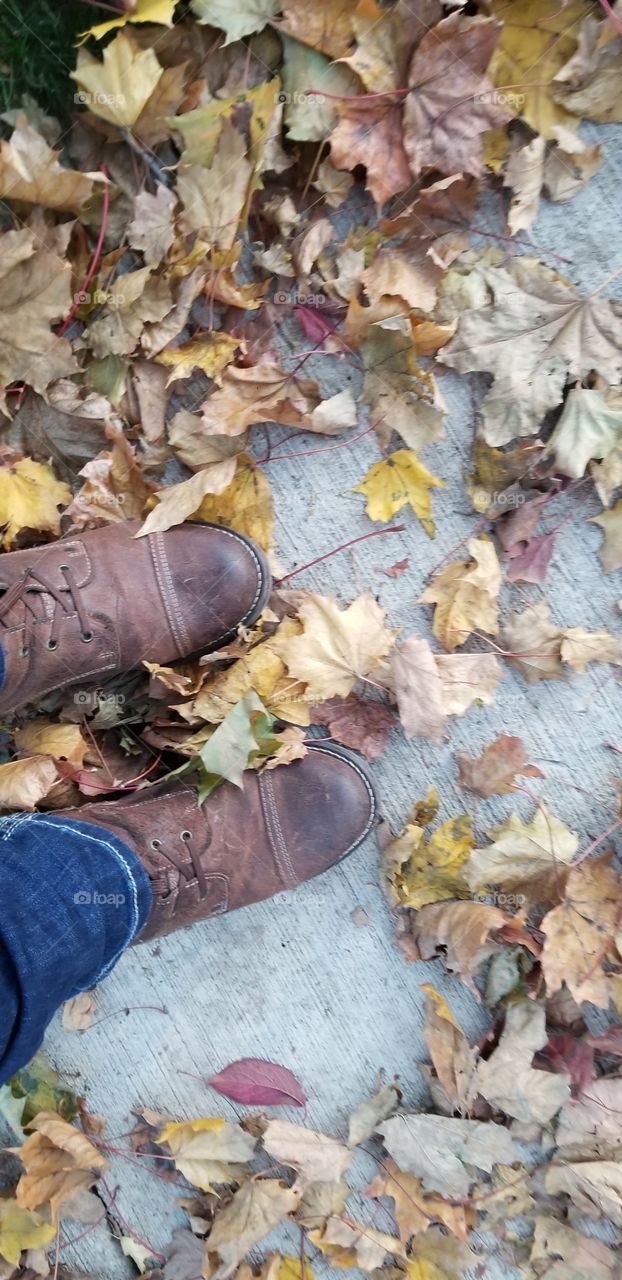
(285, 826)
(89, 606)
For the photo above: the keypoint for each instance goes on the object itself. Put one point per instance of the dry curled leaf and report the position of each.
(465, 594)
(531, 859)
(337, 646)
(494, 771)
(58, 1161)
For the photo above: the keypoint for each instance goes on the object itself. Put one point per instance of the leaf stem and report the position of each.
(375, 533)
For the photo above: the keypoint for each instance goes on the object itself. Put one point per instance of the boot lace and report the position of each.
(186, 859)
(28, 590)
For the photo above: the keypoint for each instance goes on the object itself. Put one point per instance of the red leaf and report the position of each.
(259, 1083)
(313, 323)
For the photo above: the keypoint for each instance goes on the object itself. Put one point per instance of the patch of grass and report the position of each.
(37, 51)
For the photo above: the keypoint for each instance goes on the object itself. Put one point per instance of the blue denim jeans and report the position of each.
(72, 898)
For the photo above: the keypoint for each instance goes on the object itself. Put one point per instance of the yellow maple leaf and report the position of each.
(30, 496)
(465, 594)
(20, 1229)
(400, 479)
(338, 646)
(118, 88)
(160, 11)
(45, 738)
(421, 869)
(537, 38)
(211, 354)
(263, 670)
(245, 505)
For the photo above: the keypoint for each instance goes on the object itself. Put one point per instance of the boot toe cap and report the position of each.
(221, 579)
(318, 810)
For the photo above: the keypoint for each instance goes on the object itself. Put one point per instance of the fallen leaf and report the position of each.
(494, 771)
(524, 173)
(611, 551)
(20, 1229)
(320, 1200)
(255, 1209)
(531, 563)
(535, 33)
(507, 1079)
(569, 165)
(400, 479)
(536, 332)
(118, 88)
(36, 291)
(594, 1186)
(460, 930)
(351, 1244)
(416, 1210)
(370, 133)
(338, 646)
(245, 504)
(588, 1126)
(58, 1161)
(23, 783)
(45, 737)
(418, 688)
(134, 301)
(580, 933)
(151, 230)
(78, 1013)
(211, 354)
(420, 869)
(114, 489)
(560, 1253)
(208, 1151)
(178, 502)
(453, 1059)
(365, 1120)
(587, 84)
(248, 16)
(245, 734)
(402, 397)
(445, 1152)
(588, 428)
(314, 1156)
(465, 594)
(396, 570)
(535, 643)
(451, 101)
(30, 171)
(467, 678)
(531, 858)
(579, 647)
(214, 198)
(362, 725)
(256, 1082)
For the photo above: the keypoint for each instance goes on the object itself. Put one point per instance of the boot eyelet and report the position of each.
(64, 568)
(24, 651)
(51, 644)
(186, 835)
(87, 636)
(155, 844)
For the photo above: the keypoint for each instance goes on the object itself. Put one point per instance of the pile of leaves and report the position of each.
(162, 256)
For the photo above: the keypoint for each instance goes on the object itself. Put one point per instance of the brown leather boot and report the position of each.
(287, 825)
(80, 610)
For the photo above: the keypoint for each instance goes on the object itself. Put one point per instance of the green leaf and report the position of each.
(40, 1089)
(245, 734)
